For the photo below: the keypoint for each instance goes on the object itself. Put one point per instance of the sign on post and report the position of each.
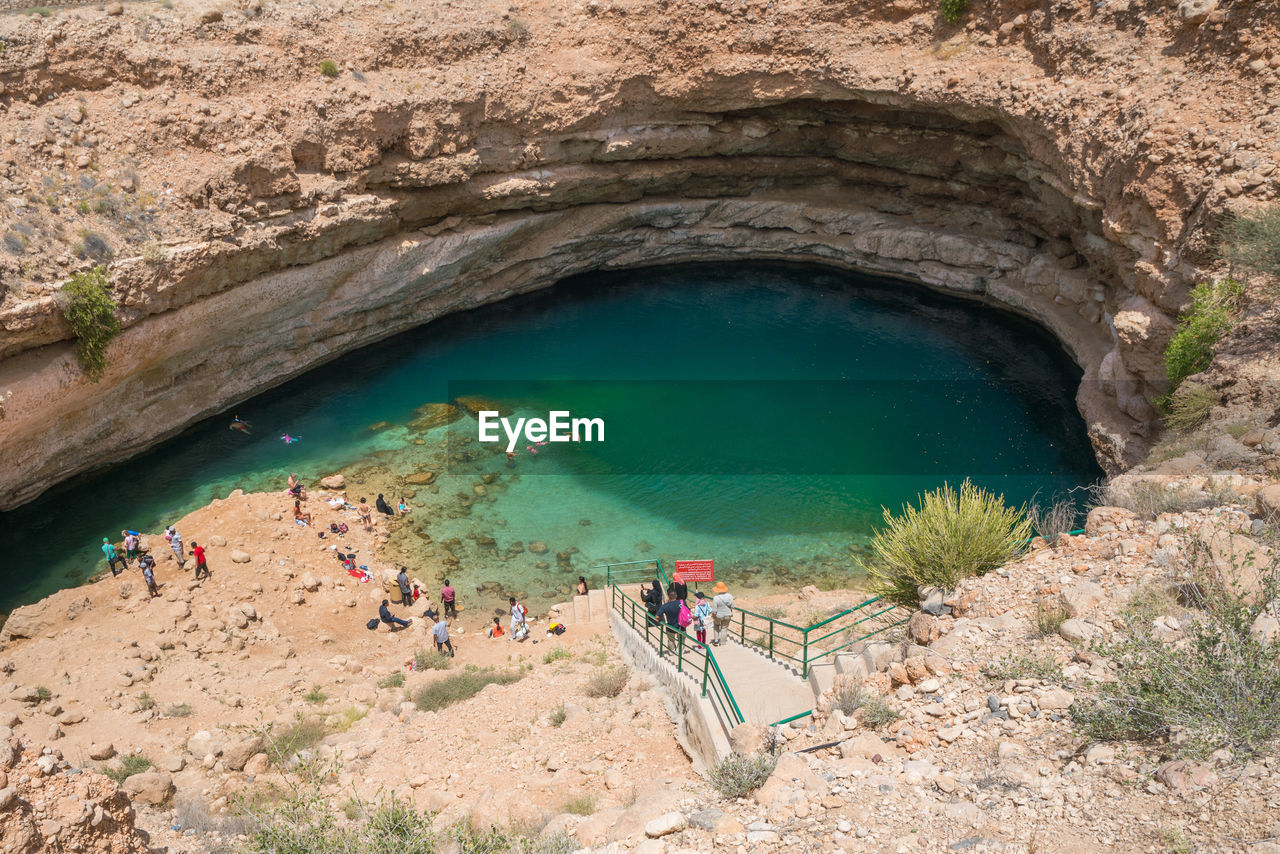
(696, 570)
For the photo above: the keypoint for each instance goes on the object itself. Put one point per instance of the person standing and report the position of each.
(366, 514)
(701, 616)
(721, 611)
(678, 584)
(582, 586)
(149, 575)
(175, 542)
(130, 545)
(406, 589)
(447, 599)
(202, 568)
(519, 625)
(652, 598)
(110, 551)
(440, 631)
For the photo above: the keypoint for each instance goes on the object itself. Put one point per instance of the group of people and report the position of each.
(676, 613)
(131, 544)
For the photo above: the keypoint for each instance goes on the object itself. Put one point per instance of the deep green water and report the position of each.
(759, 415)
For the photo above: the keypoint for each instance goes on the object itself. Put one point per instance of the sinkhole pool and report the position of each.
(759, 415)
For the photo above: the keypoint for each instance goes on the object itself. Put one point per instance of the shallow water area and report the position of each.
(757, 415)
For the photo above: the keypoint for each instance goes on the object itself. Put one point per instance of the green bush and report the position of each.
(329, 68)
(1219, 687)
(951, 536)
(431, 660)
(558, 716)
(316, 695)
(737, 776)
(1252, 240)
(1214, 306)
(285, 742)
(129, 765)
(1189, 407)
(87, 305)
(953, 10)
(394, 680)
(460, 686)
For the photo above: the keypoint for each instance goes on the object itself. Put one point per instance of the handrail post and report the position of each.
(706, 665)
(804, 665)
(771, 624)
(680, 654)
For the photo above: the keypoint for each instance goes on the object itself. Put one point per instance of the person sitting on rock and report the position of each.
(298, 515)
(383, 506)
(296, 489)
(384, 614)
(496, 630)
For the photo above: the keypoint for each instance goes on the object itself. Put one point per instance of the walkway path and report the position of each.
(766, 691)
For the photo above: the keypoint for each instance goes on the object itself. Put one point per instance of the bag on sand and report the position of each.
(372, 625)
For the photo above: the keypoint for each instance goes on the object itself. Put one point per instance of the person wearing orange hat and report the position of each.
(721, 611)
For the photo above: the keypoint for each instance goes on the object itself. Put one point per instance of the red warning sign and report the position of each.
(696, 570)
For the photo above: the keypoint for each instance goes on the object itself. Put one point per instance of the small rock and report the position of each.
(102, 752)
(114, 9)
(238, 556)
(672, 822)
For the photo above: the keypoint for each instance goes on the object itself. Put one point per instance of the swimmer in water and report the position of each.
(289, 440)
(242, 426)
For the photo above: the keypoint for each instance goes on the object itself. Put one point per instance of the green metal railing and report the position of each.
(777, 638)
(684, 652)
(805, 645)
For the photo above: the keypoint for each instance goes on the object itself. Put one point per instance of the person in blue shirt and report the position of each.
(384, 614)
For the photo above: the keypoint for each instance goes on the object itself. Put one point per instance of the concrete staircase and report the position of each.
(859, 661)
(592, 608)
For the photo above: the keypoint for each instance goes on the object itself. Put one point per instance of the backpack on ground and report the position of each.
(372, 625)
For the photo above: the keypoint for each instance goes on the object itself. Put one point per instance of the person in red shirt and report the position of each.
(202, 568)
(447, 599)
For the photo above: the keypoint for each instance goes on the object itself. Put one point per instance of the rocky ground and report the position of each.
(204, 681)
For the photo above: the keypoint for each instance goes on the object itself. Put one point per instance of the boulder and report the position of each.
(1194, 12)
(258, 763)
(924, 628)
(235, 756)
(1268, 503)
(101, 752)
(333, 481)
(310, 582)
(238, 556)
(1081, 598)
(1077, 631)
(671, 822)
(1101, 520)
(1055, 699)
(217, 541)
(204, 743)
(150, 787)
(1240, 562)
(29, 621)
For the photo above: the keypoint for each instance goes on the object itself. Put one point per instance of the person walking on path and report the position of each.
(519, 625)
(202, 568)
(174, 539)
(652, 598)
(447, 599)
(384, 614)
(110, 551)
(701, 617)
(670, 614)
(406, 589)
(440, 631)
(149, 575)
(721, 611)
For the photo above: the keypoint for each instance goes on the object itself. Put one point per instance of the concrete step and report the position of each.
(821, 677)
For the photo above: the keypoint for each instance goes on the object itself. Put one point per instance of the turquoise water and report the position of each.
(758, 415)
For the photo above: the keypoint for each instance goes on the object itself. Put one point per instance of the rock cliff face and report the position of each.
(1043, 159)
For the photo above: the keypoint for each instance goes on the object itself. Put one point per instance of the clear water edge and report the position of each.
(718, 325)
